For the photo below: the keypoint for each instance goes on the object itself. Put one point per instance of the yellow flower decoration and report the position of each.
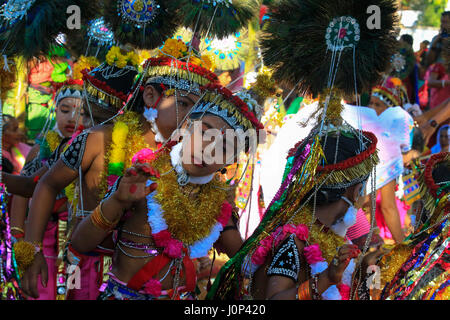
(115, 57)
(174, 48)
(396, 82)
(84, 63)
(195, 60)
(144, 55)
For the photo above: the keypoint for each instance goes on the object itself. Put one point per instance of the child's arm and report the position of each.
(95, 227)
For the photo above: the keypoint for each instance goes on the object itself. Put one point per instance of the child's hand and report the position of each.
(340, 262)
(133, 186)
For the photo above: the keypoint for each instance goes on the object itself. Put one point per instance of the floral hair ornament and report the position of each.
(176, 68)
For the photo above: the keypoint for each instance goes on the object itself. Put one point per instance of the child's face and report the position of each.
(12, 135)
(168, 116)
(67, 112)
(210, 147)
(443, 139)
(378, 105)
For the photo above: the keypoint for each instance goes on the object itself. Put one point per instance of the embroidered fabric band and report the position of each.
(286, 262)
(208, 107)
(73, 156)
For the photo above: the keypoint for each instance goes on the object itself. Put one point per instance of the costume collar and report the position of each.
(183, 177)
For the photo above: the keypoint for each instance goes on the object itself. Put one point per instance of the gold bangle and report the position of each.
(100, 221)
(112, 223)
(17, 229)
(303, 292)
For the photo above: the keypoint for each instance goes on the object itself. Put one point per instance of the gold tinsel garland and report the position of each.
(188, 220)
(328, 241)
(391, 263)
(53, 140)
(168, 71)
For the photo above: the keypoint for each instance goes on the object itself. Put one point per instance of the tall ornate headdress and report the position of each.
(390, 92)
(68, 89)
(304, 41)
(231, 108)
(93, 40)
(179, 67)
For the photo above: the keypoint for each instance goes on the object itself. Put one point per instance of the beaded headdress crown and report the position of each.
(435, 196)
(180, 68)
(109, 84)
(69, 89)
(390, 92)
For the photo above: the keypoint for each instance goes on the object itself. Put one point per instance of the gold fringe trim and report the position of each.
(350, 174)
(105, 97)
(168, 71)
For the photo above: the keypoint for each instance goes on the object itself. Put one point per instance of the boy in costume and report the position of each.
(299, 250)
(162, 230)
(100, 155)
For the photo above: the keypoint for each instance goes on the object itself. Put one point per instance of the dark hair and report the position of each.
(7, 119)
(446, 13)
(347, 148)
(418, 142)
(7, 166)
(407, 38)
(138, 105)
(441, 173)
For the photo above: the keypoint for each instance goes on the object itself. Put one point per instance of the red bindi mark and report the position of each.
(133, 188)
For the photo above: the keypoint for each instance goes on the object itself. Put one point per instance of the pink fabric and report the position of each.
(89, 289)
(360, 228)
(381, 224)
(49, 249)
(24, 149)
(438, 95)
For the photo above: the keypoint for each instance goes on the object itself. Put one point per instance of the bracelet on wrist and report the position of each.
(303, 291)
(100, 221)
(315, 287)
(433, 123)
(20, 230)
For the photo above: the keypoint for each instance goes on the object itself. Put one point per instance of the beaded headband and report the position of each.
(69, 89)
(221, 102)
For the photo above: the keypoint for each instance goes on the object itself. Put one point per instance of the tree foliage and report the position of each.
(431, 11)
